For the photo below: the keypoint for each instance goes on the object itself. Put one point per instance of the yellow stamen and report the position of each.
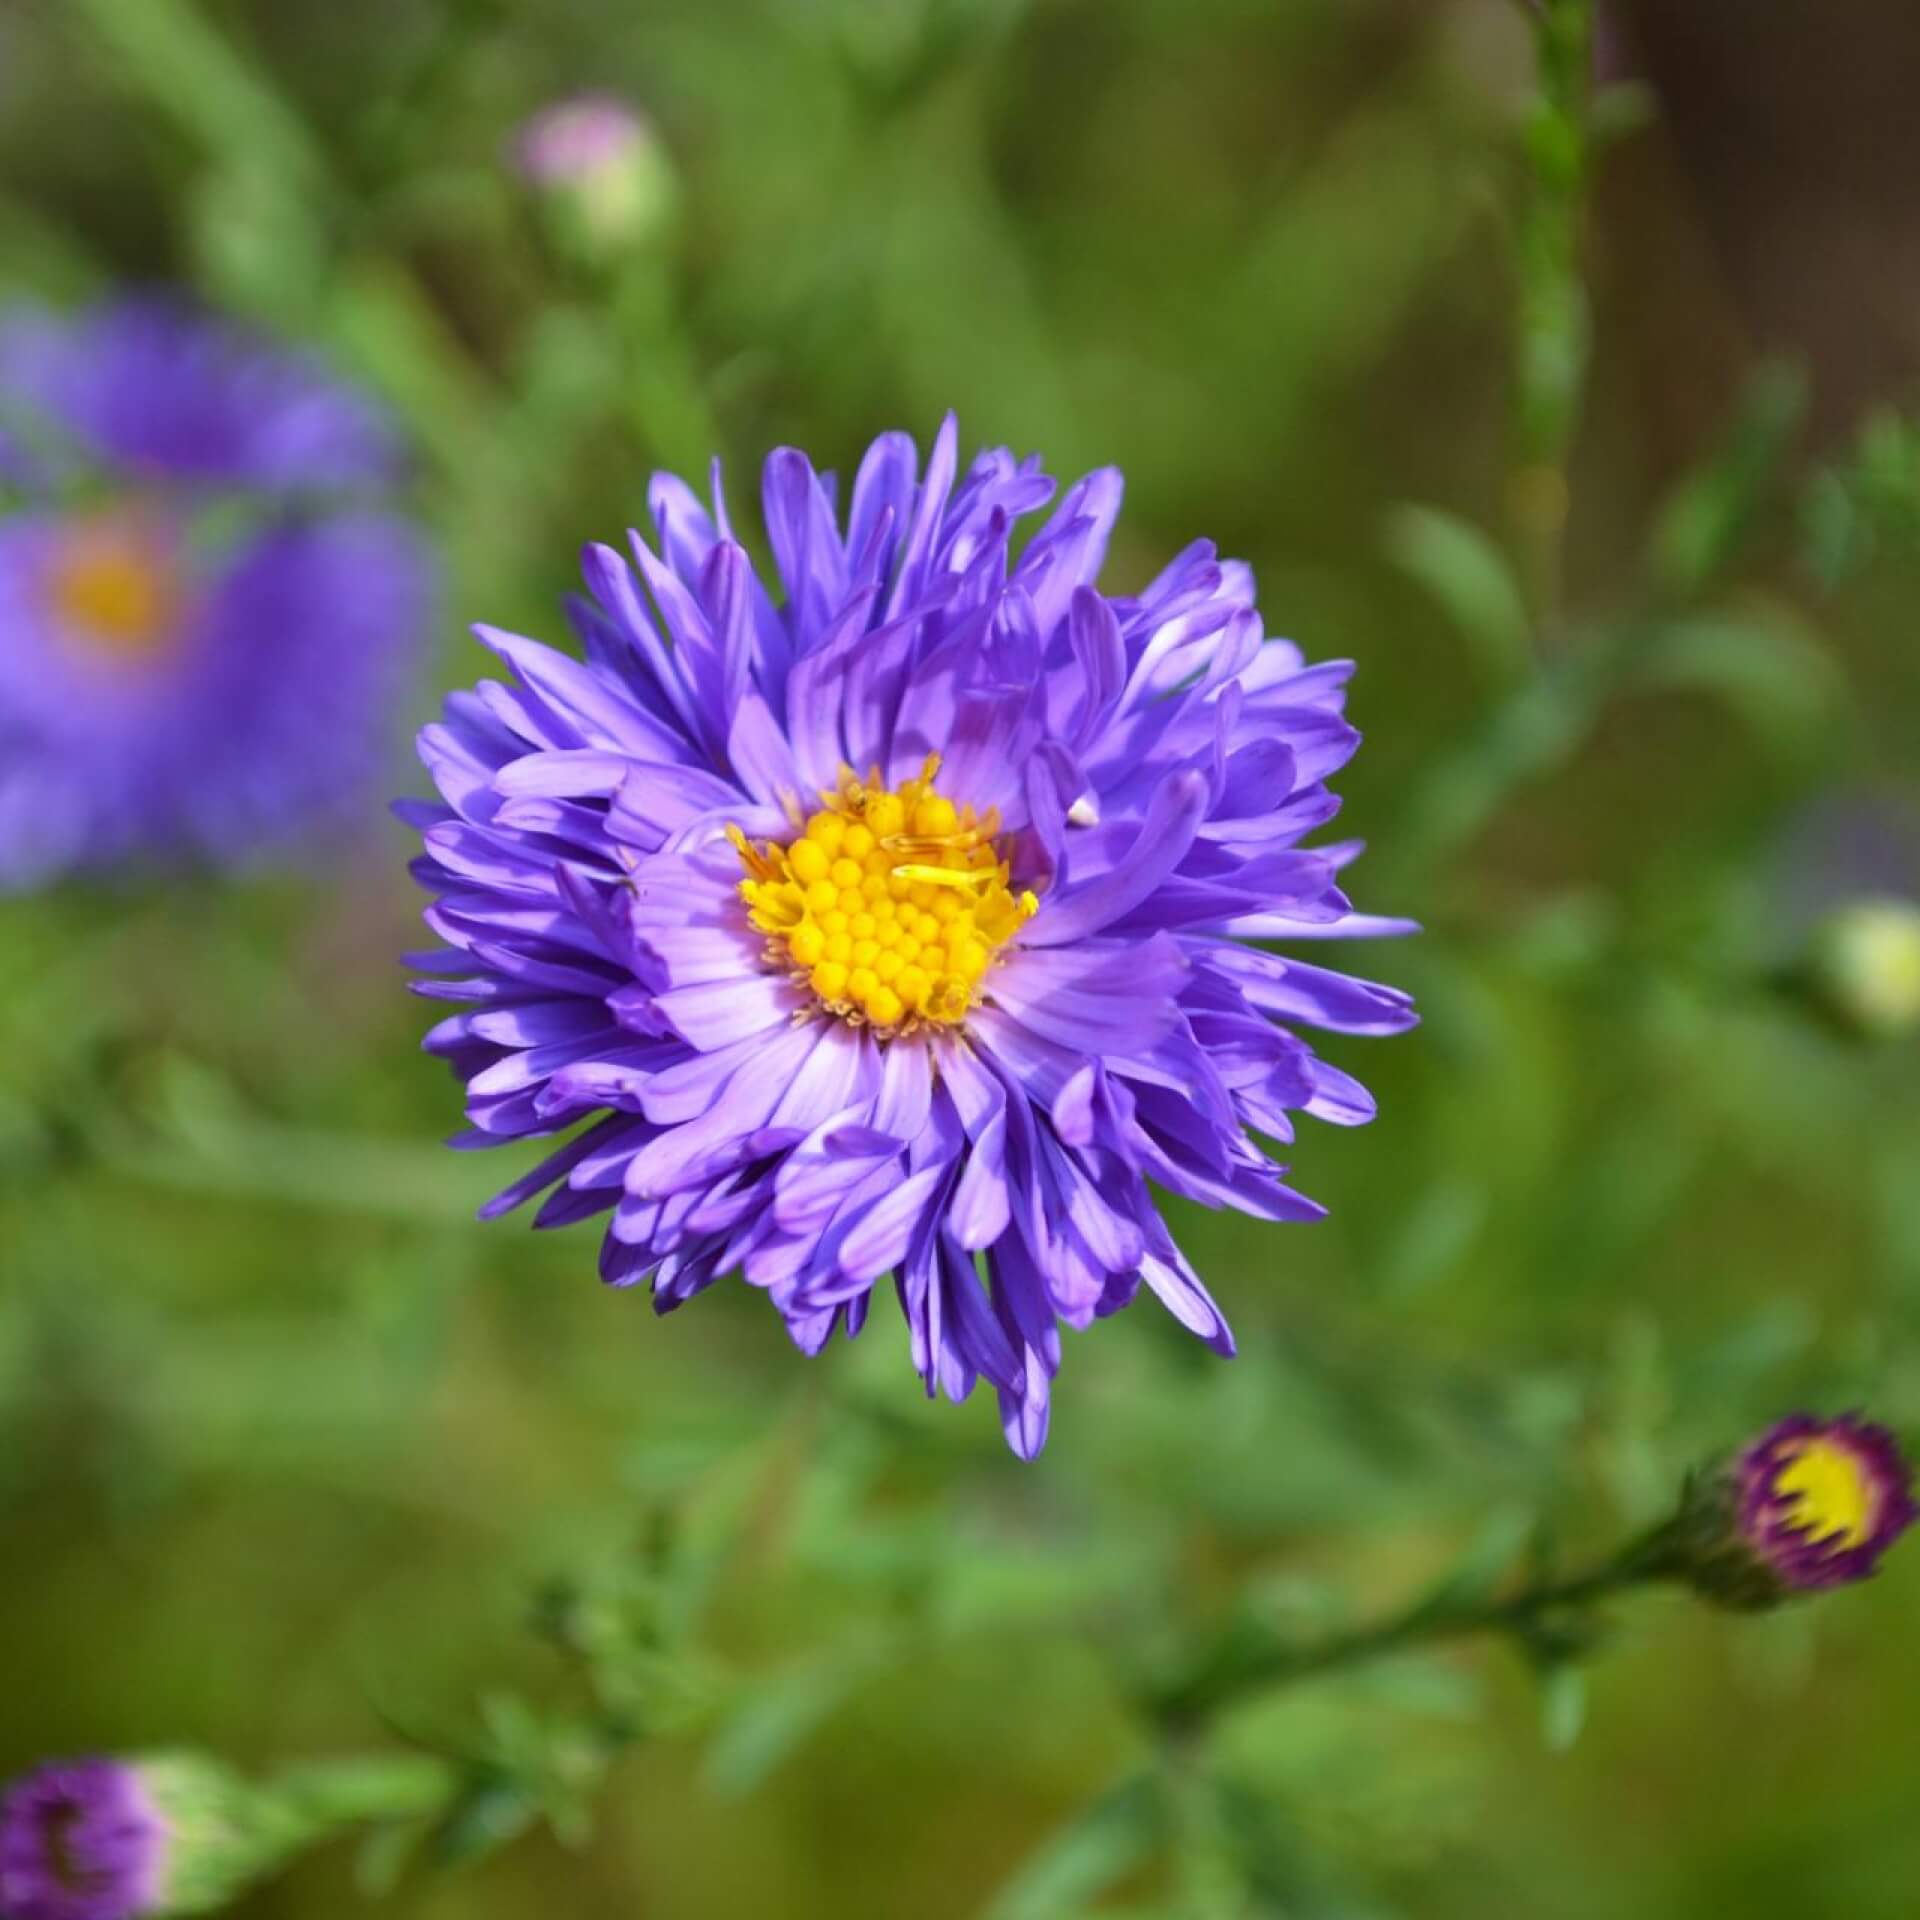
(1833, 1498)
(114, 588)
(891, 903)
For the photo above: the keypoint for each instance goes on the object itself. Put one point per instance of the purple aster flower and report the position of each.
(81, 1840)
(902, 925)
(1820, 1501)
(176, 681)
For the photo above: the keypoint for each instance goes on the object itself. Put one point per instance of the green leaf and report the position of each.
(1088, 1856)
(783, 1712)
(190, 71)
(1563, 1705)
(1709, 514)
(1471, 579)
(202, 1136)
(384, 1854)
(1489, 1557)
(1440, 1223)
(488, 1815)
(1766, 667)
(258, 247)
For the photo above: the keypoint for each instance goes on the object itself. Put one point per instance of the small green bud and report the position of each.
(1864, 963)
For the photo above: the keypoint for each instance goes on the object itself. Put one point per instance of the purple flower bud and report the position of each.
(1811, 1504)
(1820, 1501)
(565, 143)
(600, 166)
(82, 1840)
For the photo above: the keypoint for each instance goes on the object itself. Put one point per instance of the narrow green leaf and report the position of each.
(1489, 1557)
(194, 74)
(1766, 667)
(1088, 1856)
(1471, 580)
(782, 1712)
(1709, 514)
(487, 1816)
(1563, 1706)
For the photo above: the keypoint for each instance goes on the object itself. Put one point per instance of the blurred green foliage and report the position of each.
(296, 1458)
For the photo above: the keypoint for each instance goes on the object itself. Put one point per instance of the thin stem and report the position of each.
(1546, 1615)
(1554, 317)
(342, 1793)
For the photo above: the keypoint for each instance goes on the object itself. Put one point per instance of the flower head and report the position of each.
(1810, 1504)
(82, 1840)
(901, 924)
(178, 682)
(1820, 1501)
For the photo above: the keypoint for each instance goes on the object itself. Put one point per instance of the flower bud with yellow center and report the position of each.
(892, 903)
(1810, 1505)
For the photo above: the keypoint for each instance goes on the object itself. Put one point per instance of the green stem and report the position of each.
(1554, 317)
(1248, 1660)
(343, 1793)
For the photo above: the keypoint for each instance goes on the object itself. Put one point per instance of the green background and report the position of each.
(290, 1445)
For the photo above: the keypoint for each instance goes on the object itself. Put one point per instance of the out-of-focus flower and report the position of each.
(600, 167)
(108, 1839)
(147, 388)
(903, 927)
(1865, 965)
(82, 1840)
(208, 611)
(1847, 903)
(1811, 1504)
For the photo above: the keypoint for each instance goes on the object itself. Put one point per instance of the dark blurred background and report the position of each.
(289, 1443)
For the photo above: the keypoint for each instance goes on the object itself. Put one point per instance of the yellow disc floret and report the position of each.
(890, 902)
(1833, 1495)
(112, 586)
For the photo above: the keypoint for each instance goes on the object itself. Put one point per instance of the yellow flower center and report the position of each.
(115, 589)
(892, 903)
(1832, 1496)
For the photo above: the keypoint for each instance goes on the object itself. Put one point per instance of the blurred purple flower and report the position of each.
(902, 927)
(176, 683)
(81, 1840)
(1820, 1501)
(149, 389)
